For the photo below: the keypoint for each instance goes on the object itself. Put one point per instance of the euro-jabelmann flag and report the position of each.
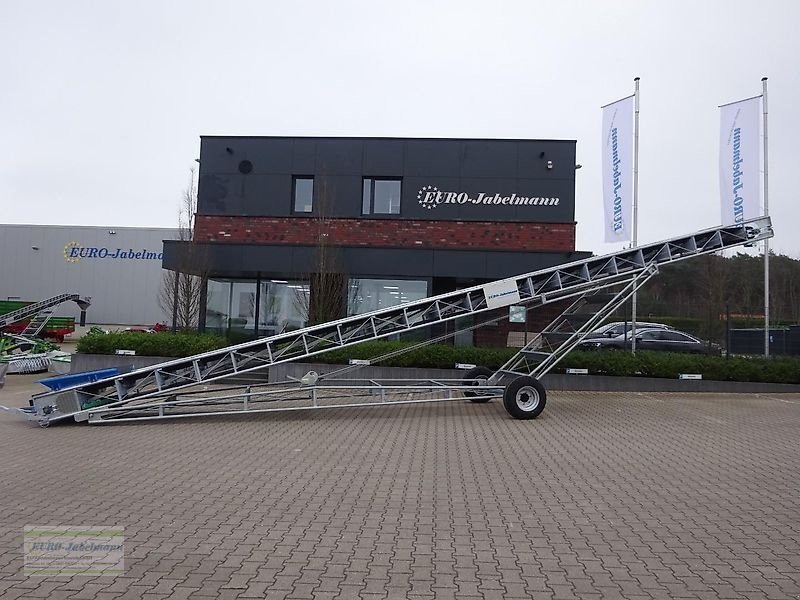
(740, 161)
(618, 169)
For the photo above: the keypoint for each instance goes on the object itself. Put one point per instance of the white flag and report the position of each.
(618, 169)
(739, 161)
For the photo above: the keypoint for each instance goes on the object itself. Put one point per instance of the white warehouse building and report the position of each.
(118, 267)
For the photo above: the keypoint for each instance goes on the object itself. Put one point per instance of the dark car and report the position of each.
(665, 340)
(619, 327)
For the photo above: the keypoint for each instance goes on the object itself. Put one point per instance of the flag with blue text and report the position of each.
(618, 170)
(740, 161)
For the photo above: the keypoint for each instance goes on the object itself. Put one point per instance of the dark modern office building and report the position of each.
(395, 219)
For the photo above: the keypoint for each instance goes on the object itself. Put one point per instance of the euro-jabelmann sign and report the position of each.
(75, 252)
(430, 197)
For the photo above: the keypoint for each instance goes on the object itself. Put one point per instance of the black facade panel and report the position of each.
(433, 157)
(221, 257)
(301, 260)
(173, 251)
(382, 160)
(279, 262)
(508, 264)
(256, 194)
(338, 194)
(563, 212)
(533, 158)
(481, 158)
(451, 263)
(246, 260)
(212, 195)
(387, 263)
(477, 169)
(339, 157)
(214, 159)
(267, 155)
(488, 195)
(414, 187)
(261, 192)
(274, 157)
(304, 156)
(252, 262)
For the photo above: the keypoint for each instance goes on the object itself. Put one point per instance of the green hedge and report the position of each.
(610, 362)
(643, 364)
(670, 365)
(173, 345)
(434, 356)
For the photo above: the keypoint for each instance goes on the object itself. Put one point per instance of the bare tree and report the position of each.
(327, 278)
(181, 290)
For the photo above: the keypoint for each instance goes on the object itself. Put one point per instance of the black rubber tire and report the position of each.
(476, 373)
(525, 398)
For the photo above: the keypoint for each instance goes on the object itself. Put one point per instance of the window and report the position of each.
(218, 301)
(283, 306)
(366, 295)
(381, 197)
(230, 305)
(303, 194)
(675, 336)
(248, 307)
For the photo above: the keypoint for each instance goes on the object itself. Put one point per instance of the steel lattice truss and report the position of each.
(534, 288)
(32, 309)
(556, 340)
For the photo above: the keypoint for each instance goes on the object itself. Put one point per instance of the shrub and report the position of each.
(617, 363)
(173, 345)
(443, 356)
(671, 365)
(434, 356)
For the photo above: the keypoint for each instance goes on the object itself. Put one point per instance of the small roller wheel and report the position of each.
(477, 375)
(524, 398)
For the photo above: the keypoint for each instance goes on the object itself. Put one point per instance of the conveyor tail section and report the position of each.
(31, 310)
(539, 287)
(37, 323)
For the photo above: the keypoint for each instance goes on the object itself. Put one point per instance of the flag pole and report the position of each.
(635, 200)
(766, 213)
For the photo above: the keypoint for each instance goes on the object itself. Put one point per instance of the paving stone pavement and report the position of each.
(606, 495)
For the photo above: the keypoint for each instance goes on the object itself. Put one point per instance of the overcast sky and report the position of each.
(102, 103)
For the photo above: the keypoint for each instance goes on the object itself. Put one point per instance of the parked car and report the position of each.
(138, 330)
(620, 327)
(665, 340)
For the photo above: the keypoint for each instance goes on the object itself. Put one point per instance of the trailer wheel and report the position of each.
(525, 398)
(481, 374)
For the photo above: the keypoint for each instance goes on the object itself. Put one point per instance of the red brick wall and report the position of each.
(389, 233)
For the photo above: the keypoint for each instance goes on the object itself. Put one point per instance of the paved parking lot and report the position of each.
(606, 495)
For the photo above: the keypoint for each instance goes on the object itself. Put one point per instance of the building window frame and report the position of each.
(392, 289)
(368, 195)
(300, 210)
